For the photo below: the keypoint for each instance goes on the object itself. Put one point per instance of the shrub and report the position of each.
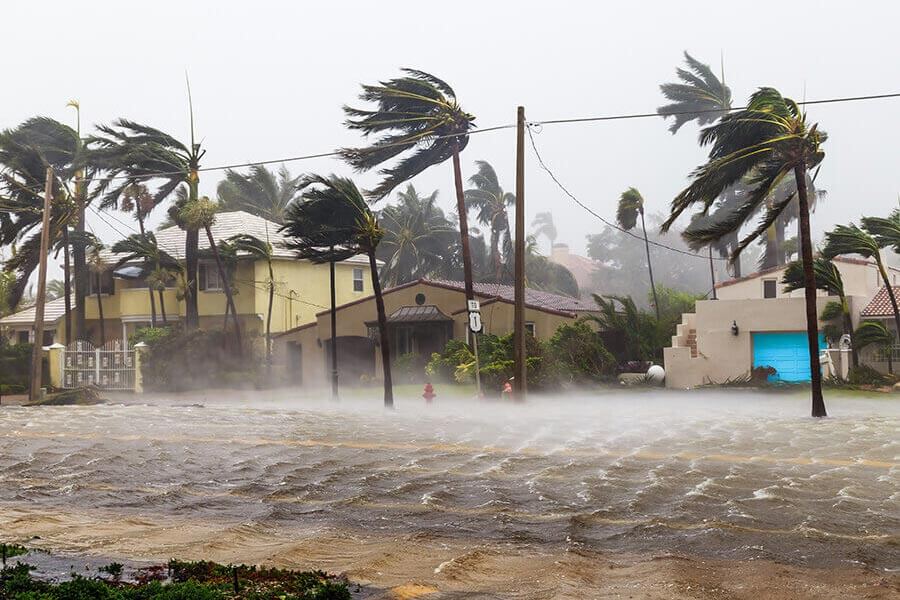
(443, 366)
(580, 355)
(407, 368)
(180, 361)
(866, 375)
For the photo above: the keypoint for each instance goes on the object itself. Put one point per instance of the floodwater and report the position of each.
(724, 474)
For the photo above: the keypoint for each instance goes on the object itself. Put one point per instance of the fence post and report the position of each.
(55, 354)
(139, 350)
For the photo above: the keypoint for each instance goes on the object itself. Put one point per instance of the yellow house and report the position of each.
(422, 316)
(302, 288)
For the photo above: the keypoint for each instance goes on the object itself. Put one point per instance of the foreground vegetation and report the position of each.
(177, 581)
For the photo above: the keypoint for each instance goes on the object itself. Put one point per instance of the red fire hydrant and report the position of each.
(429, 392)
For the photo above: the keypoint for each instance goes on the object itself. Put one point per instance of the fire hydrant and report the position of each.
(429, 392)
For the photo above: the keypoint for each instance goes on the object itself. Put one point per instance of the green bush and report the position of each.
(579, 354)
(407, 368)
(179, 361)
(442, 367)
(15, 368)
(866, 375)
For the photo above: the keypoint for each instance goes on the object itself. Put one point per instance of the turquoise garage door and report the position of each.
(787, 353)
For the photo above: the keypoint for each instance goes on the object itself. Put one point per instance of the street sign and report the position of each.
(473, 305)
(475, 322)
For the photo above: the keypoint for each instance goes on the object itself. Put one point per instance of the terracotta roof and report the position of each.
(880, 306)
(533, 298)
(53, 311)
(228, 224)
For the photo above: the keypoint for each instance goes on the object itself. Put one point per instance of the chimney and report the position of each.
(559, 252)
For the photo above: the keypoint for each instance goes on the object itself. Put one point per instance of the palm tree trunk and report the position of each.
(809, 280)
(100, 312)
(736, 265)
(79, 258)
(334, 355)
(848, 329)
(140, 221)
(269, 317)
(162, 306)
(191, 259)
(890, 289)
(712, 273)
(463, 225)
(229, 298)
(67, 283)
(649, 265)
(382, 333)
(779, 243)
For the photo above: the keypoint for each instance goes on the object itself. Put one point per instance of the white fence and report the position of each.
(109, 367)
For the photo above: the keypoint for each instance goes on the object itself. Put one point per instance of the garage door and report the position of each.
(787, 353)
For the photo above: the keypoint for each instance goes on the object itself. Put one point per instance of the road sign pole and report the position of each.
(475, 326)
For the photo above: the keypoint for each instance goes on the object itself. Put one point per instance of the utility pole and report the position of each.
(334, 352)
(37, 351)
(519, 354)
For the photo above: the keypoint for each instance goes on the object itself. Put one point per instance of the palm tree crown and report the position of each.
(259, 192)
(491, 202)
(700, 96)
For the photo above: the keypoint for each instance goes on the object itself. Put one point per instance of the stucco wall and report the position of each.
(722, 355)
(859, 280)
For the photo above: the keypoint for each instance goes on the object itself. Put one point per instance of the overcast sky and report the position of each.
(269, 80)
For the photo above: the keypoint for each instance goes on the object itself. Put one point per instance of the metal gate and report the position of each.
(110, 367)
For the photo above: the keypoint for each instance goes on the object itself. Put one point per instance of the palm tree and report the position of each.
(417, 237)
(201, 214)
(132, 152)
(94, 248)
(491, 202)
(331, 223)
(772, 140)
(875, 333)
(631, 205)
(828, 279)
(260, 250)
(259, 192)
(701, 96)
(543, 225)
(417, 114)
(156, 263)
(850, 239)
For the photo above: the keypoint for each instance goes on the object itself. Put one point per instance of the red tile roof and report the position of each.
(880, 306)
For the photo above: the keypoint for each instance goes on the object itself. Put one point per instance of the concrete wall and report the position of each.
(720, 354)
(859, 280)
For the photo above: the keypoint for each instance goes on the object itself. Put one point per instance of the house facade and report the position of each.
(423, 316)
(755, 323)
(302, 289)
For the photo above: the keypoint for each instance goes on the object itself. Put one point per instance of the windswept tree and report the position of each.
(259, 192)
(543, 225)
(631, 206)
(417, 237)
(130, 153)
(874, 333)
(770, 140)
(333, 222)
(850, 239)
(156, 264)
(262, 250)
(700, 96)
(828, 279)
(418, 117)
(491, 202)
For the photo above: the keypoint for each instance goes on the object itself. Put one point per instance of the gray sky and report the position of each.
(269, 79)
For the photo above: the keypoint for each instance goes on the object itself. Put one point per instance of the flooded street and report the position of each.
(389, 496)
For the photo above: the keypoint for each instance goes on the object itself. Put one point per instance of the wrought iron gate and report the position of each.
(110, 367)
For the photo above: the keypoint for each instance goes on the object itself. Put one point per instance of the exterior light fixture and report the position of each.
(734, 328)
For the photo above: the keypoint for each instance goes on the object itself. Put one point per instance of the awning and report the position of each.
(428, 313)
(129, 272)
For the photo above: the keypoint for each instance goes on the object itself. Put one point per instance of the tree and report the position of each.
(201, 214)
(157, 264)
(701, 96)
(333, 222)
(828, 279)
(637, 331)
(131, 152)
(417, 114)
(56, 288)
(850, 239)
(491, 202)
(260, 250)
(417, 238)
(875, 333)
(631, 205)
(543, 225)
(259, 192)
(772, 140)
(93, 249)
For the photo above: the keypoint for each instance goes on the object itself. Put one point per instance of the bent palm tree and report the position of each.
(631, 206)
(875, 333)
(850, 239)
(259, 192)
(331, 223)
(772, 140)
(156, 263)
(491, 202)
(828, 279)
(260, 250)
(543, 225)
(417, 114)
(701, 96)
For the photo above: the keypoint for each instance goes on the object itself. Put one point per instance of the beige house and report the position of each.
(754, 323)
(422, 316)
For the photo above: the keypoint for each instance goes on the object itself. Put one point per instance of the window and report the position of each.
(529, 327)
(48, 338)
(22, 337)
(770, 288)
(209, 278)
(105, 281)
(357, 280)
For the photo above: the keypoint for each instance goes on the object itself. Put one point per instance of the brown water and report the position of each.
(731, 475)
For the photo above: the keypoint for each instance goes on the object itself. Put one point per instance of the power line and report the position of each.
(565, 190)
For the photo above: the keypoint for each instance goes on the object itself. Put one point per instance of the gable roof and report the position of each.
(53, 311)
(228, 224)
(880, 305)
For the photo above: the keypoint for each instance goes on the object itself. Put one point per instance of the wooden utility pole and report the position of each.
(519, 354)
(37, 351)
